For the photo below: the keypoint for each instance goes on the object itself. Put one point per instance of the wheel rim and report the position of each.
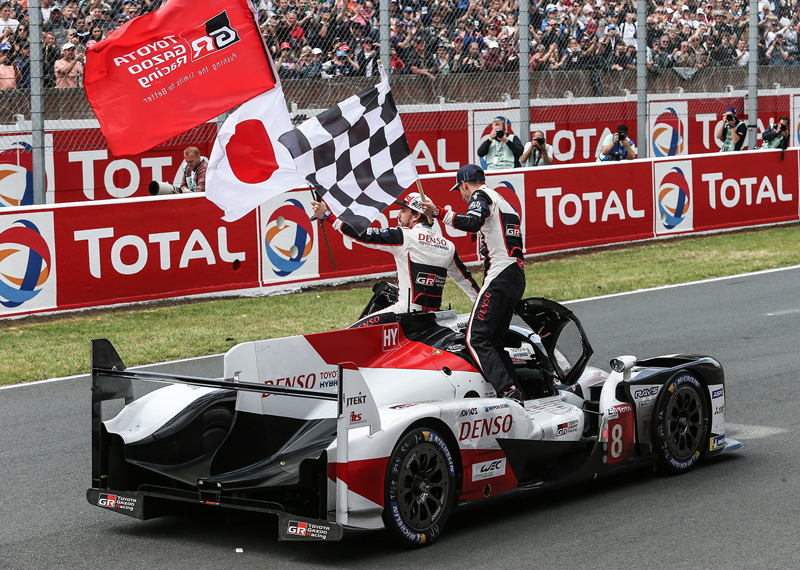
(684, 422)
(423, 485)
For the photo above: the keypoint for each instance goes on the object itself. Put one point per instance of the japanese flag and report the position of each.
(248, 165)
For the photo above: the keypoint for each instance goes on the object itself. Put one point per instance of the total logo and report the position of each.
(668, 134)
(289, 238)
(16, 178)
(674, 197)
(25, 263)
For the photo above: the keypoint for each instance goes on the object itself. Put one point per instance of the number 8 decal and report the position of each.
(620, 430)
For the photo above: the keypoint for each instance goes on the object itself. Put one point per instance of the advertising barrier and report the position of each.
(101, 253)
(678, 125)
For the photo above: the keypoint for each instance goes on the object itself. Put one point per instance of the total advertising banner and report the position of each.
(80, 166)
(102, 253)
(724, 191)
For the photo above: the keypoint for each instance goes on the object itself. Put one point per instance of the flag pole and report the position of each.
(423, 198)
(322, 225)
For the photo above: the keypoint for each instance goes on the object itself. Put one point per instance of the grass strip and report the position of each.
(36, 348)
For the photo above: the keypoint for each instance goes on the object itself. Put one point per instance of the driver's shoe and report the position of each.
(513, 393)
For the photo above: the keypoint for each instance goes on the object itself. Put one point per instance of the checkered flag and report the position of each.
(355, 155)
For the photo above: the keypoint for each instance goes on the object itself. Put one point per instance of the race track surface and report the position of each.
(741, 511)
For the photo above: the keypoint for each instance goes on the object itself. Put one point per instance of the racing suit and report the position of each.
(424, 259)
(501, 242)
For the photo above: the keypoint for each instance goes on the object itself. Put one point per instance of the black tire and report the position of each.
(217, 423)
(681, 423)
(419, 488)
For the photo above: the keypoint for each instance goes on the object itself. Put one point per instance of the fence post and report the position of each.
(752, 77)
(524, 71)
(37, 101)
(641, 79)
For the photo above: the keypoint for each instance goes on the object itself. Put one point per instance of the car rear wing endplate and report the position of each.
(356, 408)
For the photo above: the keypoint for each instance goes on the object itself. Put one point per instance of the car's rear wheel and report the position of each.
(420, 487)
(681, 419)
(217, 423)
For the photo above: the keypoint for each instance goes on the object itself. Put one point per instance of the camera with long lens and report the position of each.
(615, 157)
(730, 117)
(158, 188)
(500, 134)
(539, 140)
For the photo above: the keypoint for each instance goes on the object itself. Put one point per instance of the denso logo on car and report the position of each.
(488, 469)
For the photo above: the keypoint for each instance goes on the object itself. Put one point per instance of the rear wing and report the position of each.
(111, 380)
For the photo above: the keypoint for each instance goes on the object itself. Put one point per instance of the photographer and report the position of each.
(617, 146)
(502, 149)
(777, 136)
(777, 54)
(731, 131)
(537, 152)
(194, 173)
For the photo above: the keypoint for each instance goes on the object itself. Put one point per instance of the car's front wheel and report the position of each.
(420, 487)
(681, 423)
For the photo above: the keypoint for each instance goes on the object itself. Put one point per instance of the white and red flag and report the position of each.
(173, 69)
(248, 165)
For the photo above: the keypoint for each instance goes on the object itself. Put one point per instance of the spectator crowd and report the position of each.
(340, 38)
(311, 39)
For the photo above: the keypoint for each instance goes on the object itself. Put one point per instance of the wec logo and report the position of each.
(213, 36)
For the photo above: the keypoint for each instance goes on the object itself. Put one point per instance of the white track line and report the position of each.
(676, 285)
(744, 431)
(637, 291)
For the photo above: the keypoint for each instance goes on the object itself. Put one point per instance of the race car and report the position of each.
(392, 426)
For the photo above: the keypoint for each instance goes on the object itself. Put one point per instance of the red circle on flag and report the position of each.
(250, 153)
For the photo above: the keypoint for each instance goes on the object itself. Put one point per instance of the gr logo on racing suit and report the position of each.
(430, 280)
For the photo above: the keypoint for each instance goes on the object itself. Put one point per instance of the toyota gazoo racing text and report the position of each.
(391, 426)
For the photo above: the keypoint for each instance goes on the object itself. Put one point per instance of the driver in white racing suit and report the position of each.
(498, 224)
(424, 259)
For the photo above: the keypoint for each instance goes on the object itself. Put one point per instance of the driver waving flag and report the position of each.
(501, 243)
(424, 259)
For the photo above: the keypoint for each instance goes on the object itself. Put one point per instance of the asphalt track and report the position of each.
(740, 511)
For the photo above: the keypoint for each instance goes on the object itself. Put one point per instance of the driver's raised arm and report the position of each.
(376, 238)
(462, 277)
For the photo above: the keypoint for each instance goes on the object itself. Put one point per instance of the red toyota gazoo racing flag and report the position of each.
(173, 69)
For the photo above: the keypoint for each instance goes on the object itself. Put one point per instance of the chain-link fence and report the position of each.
(455, 66)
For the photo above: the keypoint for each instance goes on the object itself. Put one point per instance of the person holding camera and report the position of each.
(194, 173)
(777, 136)
(777, 54)
(731, 131)
(537, 152)
(502, 149)
(617, 146)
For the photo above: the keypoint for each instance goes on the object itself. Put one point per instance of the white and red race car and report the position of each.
(391, 426)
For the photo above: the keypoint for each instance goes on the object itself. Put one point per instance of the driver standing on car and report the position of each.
(489, 215)
(424, 259)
